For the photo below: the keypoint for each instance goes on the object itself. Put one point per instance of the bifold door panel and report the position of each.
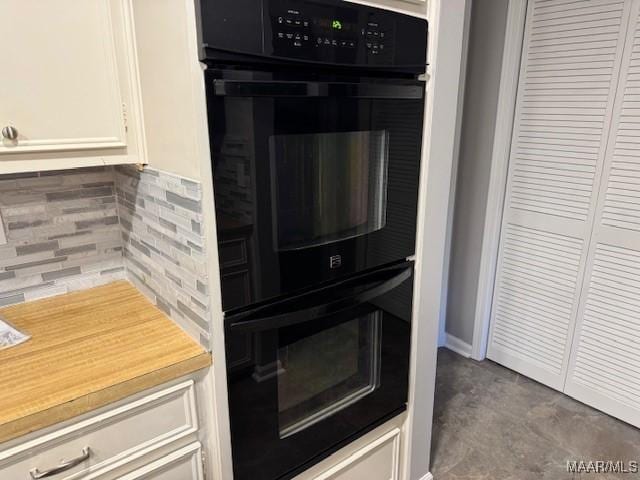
(605, 366)
(566, 308)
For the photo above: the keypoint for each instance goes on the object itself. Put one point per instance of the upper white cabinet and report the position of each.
(69, 86)
(411, 7)
(60, 78)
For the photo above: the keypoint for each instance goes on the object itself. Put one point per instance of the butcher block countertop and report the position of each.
(88, 349)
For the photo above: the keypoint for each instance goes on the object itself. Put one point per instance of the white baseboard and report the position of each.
(428, 476)
(458, 346)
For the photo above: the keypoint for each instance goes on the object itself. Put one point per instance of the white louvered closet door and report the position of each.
(570, 65)
(605, 363)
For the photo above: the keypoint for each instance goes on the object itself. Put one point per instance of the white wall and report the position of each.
(486, 42)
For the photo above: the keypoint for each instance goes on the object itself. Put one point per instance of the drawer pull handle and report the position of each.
(64, 466)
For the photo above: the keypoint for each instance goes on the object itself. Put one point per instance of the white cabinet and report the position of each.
(374, 456)
(129, 437)
(411, 7)
(182, 464)
(69, 87)
(378, 460)
(60, 77)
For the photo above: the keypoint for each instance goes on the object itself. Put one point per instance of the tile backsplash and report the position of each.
(62, 233)
(76, 229)
(161, 220)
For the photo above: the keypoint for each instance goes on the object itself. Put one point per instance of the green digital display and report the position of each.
(335, 24)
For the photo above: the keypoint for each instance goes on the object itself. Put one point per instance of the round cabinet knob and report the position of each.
(10, 133)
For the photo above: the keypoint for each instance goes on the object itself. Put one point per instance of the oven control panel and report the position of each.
(292, 31)
(335, 35)
(332, 32)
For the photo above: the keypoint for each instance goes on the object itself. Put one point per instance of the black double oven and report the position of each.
(315, 117)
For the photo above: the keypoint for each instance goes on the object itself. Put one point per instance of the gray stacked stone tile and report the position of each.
(62, 233)
(75, 229)
(163, 245)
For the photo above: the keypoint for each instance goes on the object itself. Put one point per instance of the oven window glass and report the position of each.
(321, 374)
(327, 187)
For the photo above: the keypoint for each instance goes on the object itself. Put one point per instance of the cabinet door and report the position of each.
(571, 61)
(604, 371)
(60, 85)
(379, 460)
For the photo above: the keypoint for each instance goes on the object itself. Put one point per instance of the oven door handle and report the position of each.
(260, 88)
(356, 295)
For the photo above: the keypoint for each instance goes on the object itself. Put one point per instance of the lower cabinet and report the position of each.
(379, 460)
(375, 456)
(154, 436)
(182, 464)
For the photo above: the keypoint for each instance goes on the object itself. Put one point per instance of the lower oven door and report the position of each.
(311, 373)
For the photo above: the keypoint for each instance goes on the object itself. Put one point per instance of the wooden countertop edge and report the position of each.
(94, 400)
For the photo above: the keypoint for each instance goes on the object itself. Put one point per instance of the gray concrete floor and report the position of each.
(491, 423)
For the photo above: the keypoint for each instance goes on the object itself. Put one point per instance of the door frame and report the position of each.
(509, 79)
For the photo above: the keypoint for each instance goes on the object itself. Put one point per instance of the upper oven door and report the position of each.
(309, 373)
(314, 178)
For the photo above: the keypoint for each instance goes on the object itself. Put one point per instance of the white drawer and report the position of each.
(378, 460)
(112, 436)
(182, 464)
